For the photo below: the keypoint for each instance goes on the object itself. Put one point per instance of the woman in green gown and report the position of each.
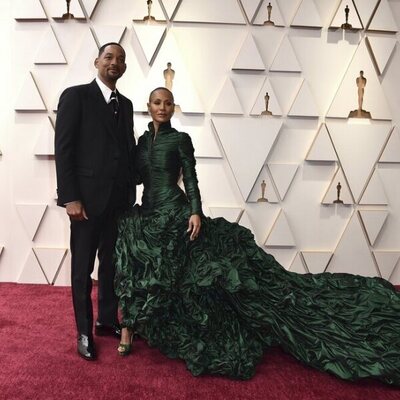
(200, 289)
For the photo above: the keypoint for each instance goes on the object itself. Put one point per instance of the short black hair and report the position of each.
(103, 47)
(161, 88)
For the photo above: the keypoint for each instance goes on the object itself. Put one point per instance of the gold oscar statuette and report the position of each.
(266, 111)
(338, 189)
(263, 199)
(169, 75)
(149, 17)
(346, 25)
(268, 21)
(361, 82)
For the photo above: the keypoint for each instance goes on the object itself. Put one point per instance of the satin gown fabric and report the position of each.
(220, 301)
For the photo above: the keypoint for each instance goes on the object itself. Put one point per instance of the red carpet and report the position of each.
(38, 360)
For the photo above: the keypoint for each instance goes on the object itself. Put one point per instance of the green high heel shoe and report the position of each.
(124, 349)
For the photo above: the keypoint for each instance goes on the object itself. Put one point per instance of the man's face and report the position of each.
(111, 64)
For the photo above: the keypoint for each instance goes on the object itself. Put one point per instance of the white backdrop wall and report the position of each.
(225, 60)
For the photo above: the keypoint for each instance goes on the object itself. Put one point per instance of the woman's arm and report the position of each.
(186, 153)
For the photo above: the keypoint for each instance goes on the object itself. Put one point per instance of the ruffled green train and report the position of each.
(220, 301)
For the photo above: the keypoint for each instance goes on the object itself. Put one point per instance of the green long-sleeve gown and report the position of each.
(218, 302)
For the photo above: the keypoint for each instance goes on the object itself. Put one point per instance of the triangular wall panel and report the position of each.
(346, 98)
(28, 10)
(347, 138)
(171, 7)
(150, 38)
(381, 49)
(298, 266)
(262, 14)
(387, 261)
(50, 260)
(281, 235)
(383, 19)
(31, 271)
(285, 59)
(29, 98)
(321, 148)
(366, 9)
(203, 139)
(352, 254)
(106, 33)
(374, 193)
(269, 192)
(317, 261)
(307, 15)
(373, 221)
(227, 101)
(391, 154)
(49, 51)
(251, 7)
(286, 89)
(283, 175)
(31, 216)
(249, 57)
(45, 143)
(63, 275)
(340, 16)
(304, 105)
(90, 6)
(211, 11)
(260, 103)
(333, 192)
(261, 133)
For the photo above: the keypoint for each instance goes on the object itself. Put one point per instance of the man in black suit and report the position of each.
(94, 149)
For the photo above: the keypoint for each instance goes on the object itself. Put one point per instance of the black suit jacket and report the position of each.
(93, 151)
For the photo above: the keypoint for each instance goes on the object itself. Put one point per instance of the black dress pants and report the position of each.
(95, 235)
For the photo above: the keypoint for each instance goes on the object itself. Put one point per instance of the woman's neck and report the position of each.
(156, 126)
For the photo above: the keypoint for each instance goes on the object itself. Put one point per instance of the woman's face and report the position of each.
(161, 106)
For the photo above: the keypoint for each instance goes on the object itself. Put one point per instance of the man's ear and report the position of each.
(96, 62)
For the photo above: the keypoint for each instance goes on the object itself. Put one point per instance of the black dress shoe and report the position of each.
(86, 348)
(107, 330)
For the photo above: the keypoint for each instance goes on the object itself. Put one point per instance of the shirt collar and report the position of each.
(105, 90)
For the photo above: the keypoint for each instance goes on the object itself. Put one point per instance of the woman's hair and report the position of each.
(161, 88)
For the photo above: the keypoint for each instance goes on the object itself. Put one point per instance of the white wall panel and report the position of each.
(222, 46)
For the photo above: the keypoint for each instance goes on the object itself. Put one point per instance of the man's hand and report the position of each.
(76, 211)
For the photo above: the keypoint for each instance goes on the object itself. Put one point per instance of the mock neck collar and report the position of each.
(165, 126)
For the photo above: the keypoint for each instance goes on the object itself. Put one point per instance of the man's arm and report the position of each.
(67, 129)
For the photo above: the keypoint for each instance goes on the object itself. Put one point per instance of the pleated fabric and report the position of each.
(220, 301)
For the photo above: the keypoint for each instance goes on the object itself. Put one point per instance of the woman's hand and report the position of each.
(194, 226)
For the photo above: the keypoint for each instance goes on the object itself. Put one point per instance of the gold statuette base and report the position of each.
(266, 112)
(346, 26)
(338, 201)
(262, 200)
(269, 23)
(68, 16)
(149, 18)
(360, 114)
